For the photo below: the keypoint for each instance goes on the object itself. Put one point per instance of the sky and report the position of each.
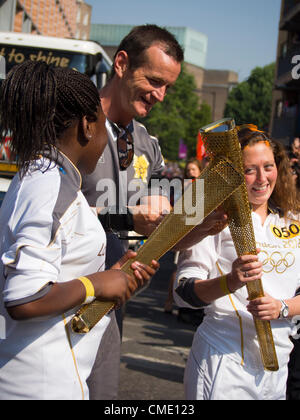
(242, 34)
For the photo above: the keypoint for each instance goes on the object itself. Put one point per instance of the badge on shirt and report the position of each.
(286, 232)
(141, 165)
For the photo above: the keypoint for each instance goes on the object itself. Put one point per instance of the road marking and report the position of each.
(152, 362)
(182, 351)
(142, 323)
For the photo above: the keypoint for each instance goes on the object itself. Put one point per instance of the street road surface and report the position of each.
(155, 345)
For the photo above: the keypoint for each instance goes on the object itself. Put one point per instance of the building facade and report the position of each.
(213, 86)
(217, 85)
(83, 20)
(285, 121)
(194, 43)
(59, 18)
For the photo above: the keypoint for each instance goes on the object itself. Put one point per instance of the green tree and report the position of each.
(250, 101)
(179, 116)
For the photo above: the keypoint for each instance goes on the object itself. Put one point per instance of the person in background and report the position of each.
(52, 243)
(293, 156)
(293, 381)
(295, 166)
(190, 316)
(224, 362)
(296, 147)
(192, 170)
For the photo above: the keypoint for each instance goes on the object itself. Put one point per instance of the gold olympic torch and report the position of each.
(222, 182)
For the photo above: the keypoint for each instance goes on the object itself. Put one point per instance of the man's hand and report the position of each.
(149, 214)
(211, 225)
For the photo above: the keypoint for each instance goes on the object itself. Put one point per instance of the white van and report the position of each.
(4, 184)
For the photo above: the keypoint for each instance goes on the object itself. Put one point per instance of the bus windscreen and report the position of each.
(14, 54)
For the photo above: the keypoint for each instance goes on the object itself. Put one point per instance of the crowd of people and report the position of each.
(62, 246)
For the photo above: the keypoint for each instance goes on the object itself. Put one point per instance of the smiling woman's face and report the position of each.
(260, 173)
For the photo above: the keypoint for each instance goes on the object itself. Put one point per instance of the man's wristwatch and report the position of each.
(284, 311)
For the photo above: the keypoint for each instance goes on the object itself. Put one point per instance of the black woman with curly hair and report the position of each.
(52, 250)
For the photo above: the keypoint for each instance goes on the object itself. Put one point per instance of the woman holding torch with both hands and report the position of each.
(224, 362)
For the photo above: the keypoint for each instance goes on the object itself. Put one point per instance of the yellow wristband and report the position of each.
(89, 289)
(223, 285)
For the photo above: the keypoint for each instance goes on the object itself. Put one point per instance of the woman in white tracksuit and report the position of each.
(52, 250)
(225, 362)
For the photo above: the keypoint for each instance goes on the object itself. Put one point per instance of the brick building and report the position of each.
(59, 18)
(216, 87)
(83, 20)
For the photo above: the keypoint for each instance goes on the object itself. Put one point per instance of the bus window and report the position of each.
(85, 56)
(102, 71)
(95, 66)
(14, 54)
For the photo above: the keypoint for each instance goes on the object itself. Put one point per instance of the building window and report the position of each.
(86, 19)
(279, 108)
(283, 50)
(27, 24)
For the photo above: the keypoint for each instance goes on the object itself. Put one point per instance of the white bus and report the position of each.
(85, 56)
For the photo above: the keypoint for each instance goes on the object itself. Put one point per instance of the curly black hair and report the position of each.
(38, 103)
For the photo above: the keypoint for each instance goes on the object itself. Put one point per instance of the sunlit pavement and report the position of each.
(155, 345)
